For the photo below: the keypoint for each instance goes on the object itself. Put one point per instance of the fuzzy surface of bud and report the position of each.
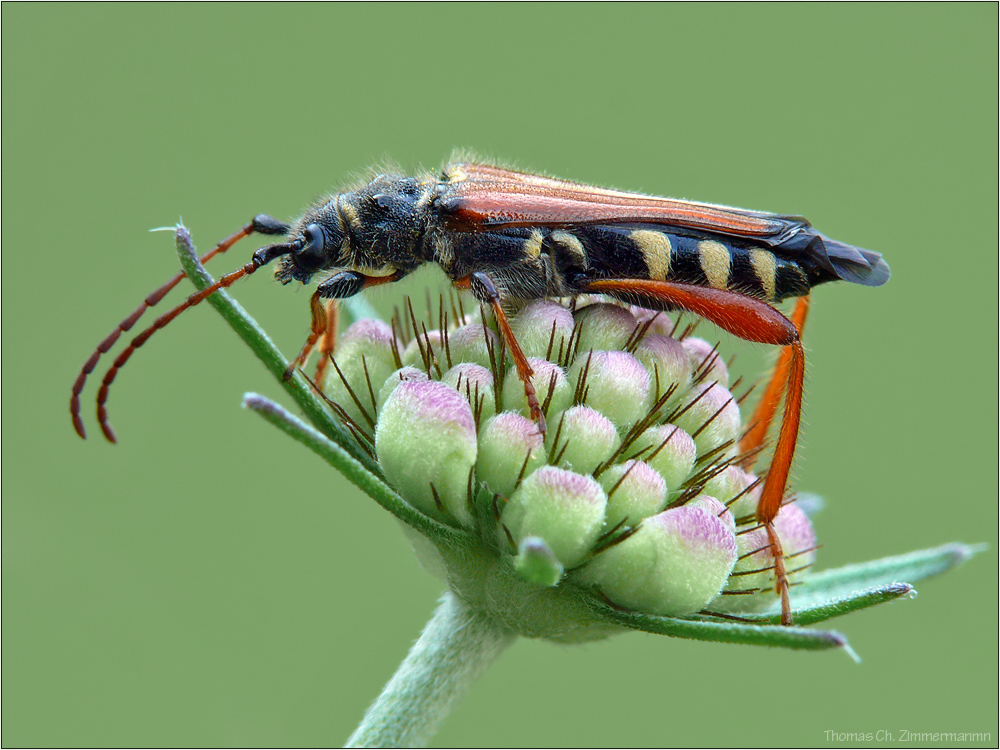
(425, 440)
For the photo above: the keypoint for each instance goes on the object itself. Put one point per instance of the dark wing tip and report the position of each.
(855, 264)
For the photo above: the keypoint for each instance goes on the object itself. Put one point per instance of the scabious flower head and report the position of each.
(632, 496)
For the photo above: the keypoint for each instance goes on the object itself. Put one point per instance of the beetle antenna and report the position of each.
(260, 258)
(262, 224)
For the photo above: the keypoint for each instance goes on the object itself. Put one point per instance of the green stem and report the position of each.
(457, 645)
(261, 345)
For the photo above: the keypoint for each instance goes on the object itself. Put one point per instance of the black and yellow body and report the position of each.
(394, 224)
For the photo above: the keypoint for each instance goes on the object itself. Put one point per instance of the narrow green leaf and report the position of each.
(261, 345)
(857, 600)
(840, 584)
(729, 632)
(339, 459)
(836, 606)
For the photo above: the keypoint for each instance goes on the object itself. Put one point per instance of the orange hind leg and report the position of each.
(756, 321)
(767, 407)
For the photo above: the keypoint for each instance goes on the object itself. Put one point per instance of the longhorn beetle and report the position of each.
(510, 236)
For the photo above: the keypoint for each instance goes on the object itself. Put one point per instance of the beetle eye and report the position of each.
(313, 253)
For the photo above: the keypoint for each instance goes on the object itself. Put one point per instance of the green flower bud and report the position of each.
(430, 343)
(634, 491)
(705, 358)
(755, 567)
(536, 563)
(669, 450)
(582, 440)
(603, 327)
(714, 506)
(659, 322)
(547, 375)
(373, 336)
(366, 357)
(399, 376)
(543, 328)
(425, 440)
(564, 509)
(674, 564)
(753, 570)
(474, 382)
(728, 484)
(798, 540)
(668, 364)
(711, 416)
(469, 344)
(510, 448)
(613, 383)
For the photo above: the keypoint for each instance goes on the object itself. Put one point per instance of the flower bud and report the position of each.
(586, 439)
(564, 509)
(669, 450)
(536, 563)
(659, 322)
(705, 358)
(365, 357)
(547, 375)
(425, 440)
(543, 327)
(714, 506)
(674, 564)
(399, 376)
(711, 416)
(428, 343)
(798, 540)
(668, 364)
(613, 383)
(474, 382)
(510, 447)
(730, 483)
(755, 568)
(603, 327)
(634, 492)
(469, 344)
(374, 335)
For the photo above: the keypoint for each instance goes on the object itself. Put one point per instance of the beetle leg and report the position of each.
(328, 342)
(318, 326)
(342, 284)
(484, 290)
(755, 321)
(767, 407)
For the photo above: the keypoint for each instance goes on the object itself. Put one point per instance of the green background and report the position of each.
(209, 582)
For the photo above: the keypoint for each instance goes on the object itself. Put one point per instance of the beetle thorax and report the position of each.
(384, 223)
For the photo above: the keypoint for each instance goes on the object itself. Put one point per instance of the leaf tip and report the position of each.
(962, 552)
(253, 401)
(897, 590)
(846, 647)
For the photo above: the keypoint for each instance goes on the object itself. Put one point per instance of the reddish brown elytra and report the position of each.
(509, 236)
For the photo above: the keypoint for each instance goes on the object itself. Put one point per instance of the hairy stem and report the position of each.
(262, 346)
(457, 645)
